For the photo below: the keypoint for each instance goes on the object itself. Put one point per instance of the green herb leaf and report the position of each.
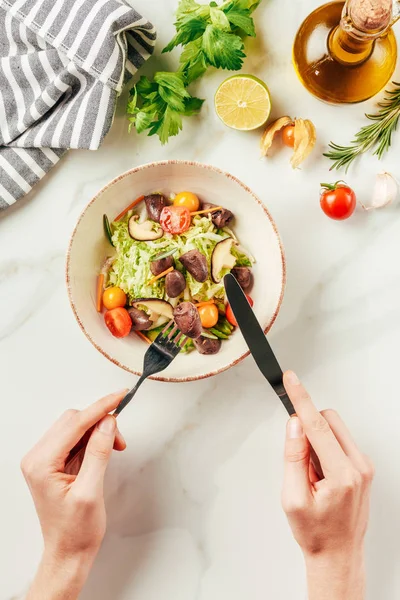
(193, 106)
(145, 87)
(167, 126)
(223, 50)
(143, 120)
(132, 102)
(193, 63)
(242, 20)
(189, 29)
(377, 135)
(219, 19)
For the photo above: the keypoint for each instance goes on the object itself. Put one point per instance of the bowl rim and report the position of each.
(116, 180)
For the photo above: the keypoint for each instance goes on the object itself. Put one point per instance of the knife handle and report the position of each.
(284, 398)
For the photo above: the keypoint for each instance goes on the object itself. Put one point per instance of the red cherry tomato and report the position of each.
(338, 201)
(175, 219)
(229, 312)
(118, 322)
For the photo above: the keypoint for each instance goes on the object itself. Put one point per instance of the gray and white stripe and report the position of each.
(63, 64)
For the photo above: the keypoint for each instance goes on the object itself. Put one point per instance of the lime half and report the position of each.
(243, 102)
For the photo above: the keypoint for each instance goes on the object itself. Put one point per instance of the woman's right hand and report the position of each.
(328, 516)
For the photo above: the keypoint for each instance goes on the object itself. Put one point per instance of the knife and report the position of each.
(256, 340)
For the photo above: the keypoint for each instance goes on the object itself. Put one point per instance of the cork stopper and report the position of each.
(371, 15)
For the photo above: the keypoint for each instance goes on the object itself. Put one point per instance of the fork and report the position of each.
(158, 357)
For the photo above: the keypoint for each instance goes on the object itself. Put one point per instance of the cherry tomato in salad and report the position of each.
(113, 297)
(229, 312)
(175, 219)
(288, 136)
(338, 201)
(187, 199)
(118, 322)
(208, 315)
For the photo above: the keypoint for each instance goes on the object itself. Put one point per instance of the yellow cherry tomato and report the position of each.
(188, 200)
(114, 297)
(208, 315)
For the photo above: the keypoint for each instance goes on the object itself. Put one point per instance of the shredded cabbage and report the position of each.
(131, 268)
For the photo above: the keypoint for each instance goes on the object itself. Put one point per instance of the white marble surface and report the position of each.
(194, 503)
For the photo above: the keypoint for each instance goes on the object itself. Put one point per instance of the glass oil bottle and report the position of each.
(346, 52)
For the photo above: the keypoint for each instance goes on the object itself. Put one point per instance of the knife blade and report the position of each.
(256, 340)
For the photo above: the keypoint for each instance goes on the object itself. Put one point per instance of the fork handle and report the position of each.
(125, 401)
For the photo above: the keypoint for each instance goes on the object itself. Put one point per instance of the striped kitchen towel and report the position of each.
(63, 64)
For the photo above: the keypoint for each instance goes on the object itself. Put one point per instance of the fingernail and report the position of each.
(123, 391)
(107, 425)
(292, 378)
(295, 429)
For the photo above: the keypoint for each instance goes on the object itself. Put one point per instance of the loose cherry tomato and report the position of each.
(187, 199)
(175, 219)
(338, 201)
(229, 312)
(208, 315)
(114, 297)
(288, 136)
(118, 322)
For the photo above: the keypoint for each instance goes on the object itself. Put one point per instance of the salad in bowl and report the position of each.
(168, 256)
(155, 267)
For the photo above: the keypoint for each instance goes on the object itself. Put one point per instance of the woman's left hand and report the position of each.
(70, 506)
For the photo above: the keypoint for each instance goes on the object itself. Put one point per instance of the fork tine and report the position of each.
(182, 342)
(178, 338)
(172, 332)
(168, 325)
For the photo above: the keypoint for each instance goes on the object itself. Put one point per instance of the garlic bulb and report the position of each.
(385, 191)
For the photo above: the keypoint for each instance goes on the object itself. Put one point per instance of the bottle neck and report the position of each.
(348, 49)
(352, 41)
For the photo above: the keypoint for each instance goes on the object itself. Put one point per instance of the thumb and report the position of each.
(296, 485)
(97, 455)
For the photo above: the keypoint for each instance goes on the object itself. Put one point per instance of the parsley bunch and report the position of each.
(211, 35)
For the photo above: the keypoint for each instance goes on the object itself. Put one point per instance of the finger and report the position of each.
(343, 435)
(66, 434)
(296, 486)
(119, 442)
(313, 474)
(97, 455)
(332, 458)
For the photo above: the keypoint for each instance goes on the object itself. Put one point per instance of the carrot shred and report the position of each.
(154, 279)
(205, 212)
(208, 303)
(128, 208)
(99, 295)
(143, 337)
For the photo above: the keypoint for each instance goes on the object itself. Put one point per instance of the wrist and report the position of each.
(336, 575)
(61, 576)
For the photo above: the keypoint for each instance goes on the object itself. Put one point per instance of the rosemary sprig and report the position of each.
(377, 135)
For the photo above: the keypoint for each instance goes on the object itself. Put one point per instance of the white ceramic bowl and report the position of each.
(253, 226)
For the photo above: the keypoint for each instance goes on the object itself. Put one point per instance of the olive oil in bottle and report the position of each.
(347, 51)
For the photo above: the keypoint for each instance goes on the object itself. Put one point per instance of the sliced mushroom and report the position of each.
(243, 276)
(154, 205)
(160, 265)
(140, 319)
(187, 318)
(143, 232)
(220, 218)
(153, 306)
(207, 346)
(175, 283)
(222, 259)
(196, 263)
